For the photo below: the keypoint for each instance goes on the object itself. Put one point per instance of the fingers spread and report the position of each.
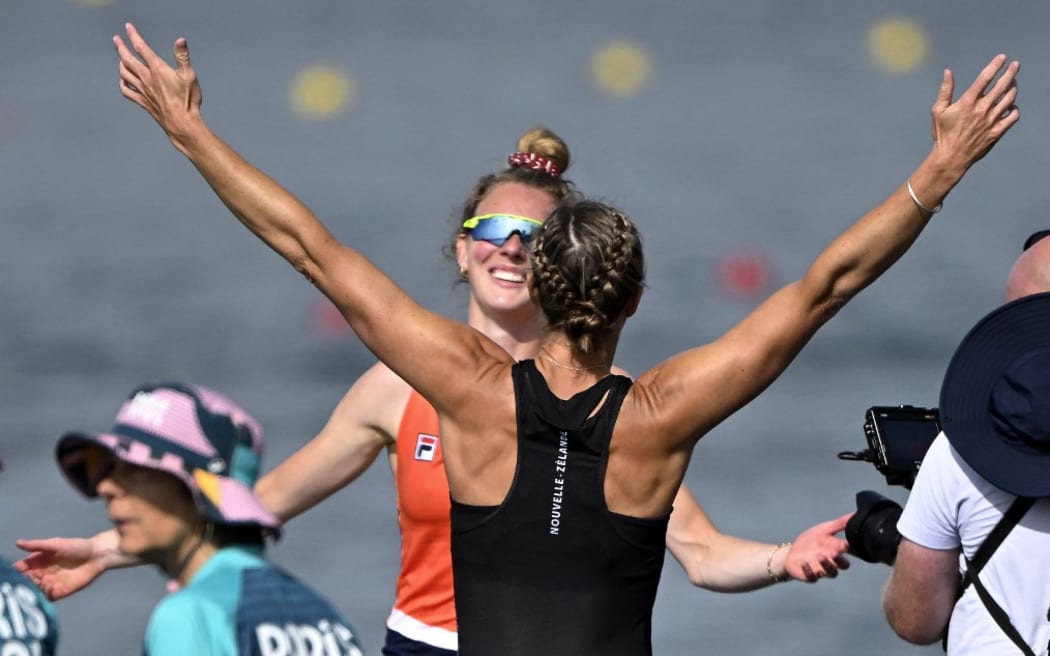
(127, 78)
(1006, 80)
(140, 45)
(1005, 88)
(128, 60)
(984, 78)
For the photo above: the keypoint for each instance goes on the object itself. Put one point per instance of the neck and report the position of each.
(181, 565)
(601, 367)
(519, 333)
(556, 350)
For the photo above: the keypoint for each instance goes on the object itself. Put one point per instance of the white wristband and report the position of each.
(921, 206)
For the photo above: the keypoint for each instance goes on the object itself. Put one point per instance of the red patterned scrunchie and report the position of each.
(534, 162)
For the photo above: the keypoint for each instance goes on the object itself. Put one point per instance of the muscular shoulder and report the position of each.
(377, 399)
(380, 380)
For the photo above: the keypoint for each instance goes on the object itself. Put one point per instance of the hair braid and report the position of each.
(587, 266)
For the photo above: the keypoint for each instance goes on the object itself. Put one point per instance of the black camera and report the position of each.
(898, 438)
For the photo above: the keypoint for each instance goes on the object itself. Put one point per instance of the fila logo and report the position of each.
(426, 447)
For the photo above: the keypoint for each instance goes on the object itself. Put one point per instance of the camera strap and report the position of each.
(1010, 519)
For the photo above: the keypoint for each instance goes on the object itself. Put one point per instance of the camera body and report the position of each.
(898, 438)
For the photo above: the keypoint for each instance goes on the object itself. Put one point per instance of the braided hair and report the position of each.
(587, 266)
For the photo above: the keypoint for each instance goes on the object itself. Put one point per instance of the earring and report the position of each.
(463, 272)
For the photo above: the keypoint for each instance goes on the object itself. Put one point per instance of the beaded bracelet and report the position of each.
(921, 206)
(769, 563)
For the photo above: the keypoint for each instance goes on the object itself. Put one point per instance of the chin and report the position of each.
(129, 546)
(510, 304)
(510, 300)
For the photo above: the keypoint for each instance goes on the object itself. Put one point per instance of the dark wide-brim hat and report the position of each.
(995, 399)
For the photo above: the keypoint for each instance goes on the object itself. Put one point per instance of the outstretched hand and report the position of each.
(60, 566)
(172, 96)
(973, 124)
(816, 553)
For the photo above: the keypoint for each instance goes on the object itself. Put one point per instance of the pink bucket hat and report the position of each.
(192, 432)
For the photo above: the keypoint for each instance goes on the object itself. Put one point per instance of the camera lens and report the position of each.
(872, 531)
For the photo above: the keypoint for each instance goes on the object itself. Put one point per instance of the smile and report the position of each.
(508, 276)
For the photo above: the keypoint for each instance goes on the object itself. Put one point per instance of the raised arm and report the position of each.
(723, 563)
(751, 355)
(361, 426)
(398, 330)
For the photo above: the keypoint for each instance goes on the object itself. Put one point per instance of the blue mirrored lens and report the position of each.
(498, 229)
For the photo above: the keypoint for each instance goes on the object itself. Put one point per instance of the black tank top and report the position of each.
(551, 571)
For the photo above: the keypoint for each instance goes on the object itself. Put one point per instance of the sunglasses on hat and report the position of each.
(498, 228)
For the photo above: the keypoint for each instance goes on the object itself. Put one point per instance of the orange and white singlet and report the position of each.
(424, 609)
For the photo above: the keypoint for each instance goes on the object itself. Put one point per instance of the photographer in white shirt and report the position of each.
(994, 448)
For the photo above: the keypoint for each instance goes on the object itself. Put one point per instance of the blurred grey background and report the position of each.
(741, 136)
